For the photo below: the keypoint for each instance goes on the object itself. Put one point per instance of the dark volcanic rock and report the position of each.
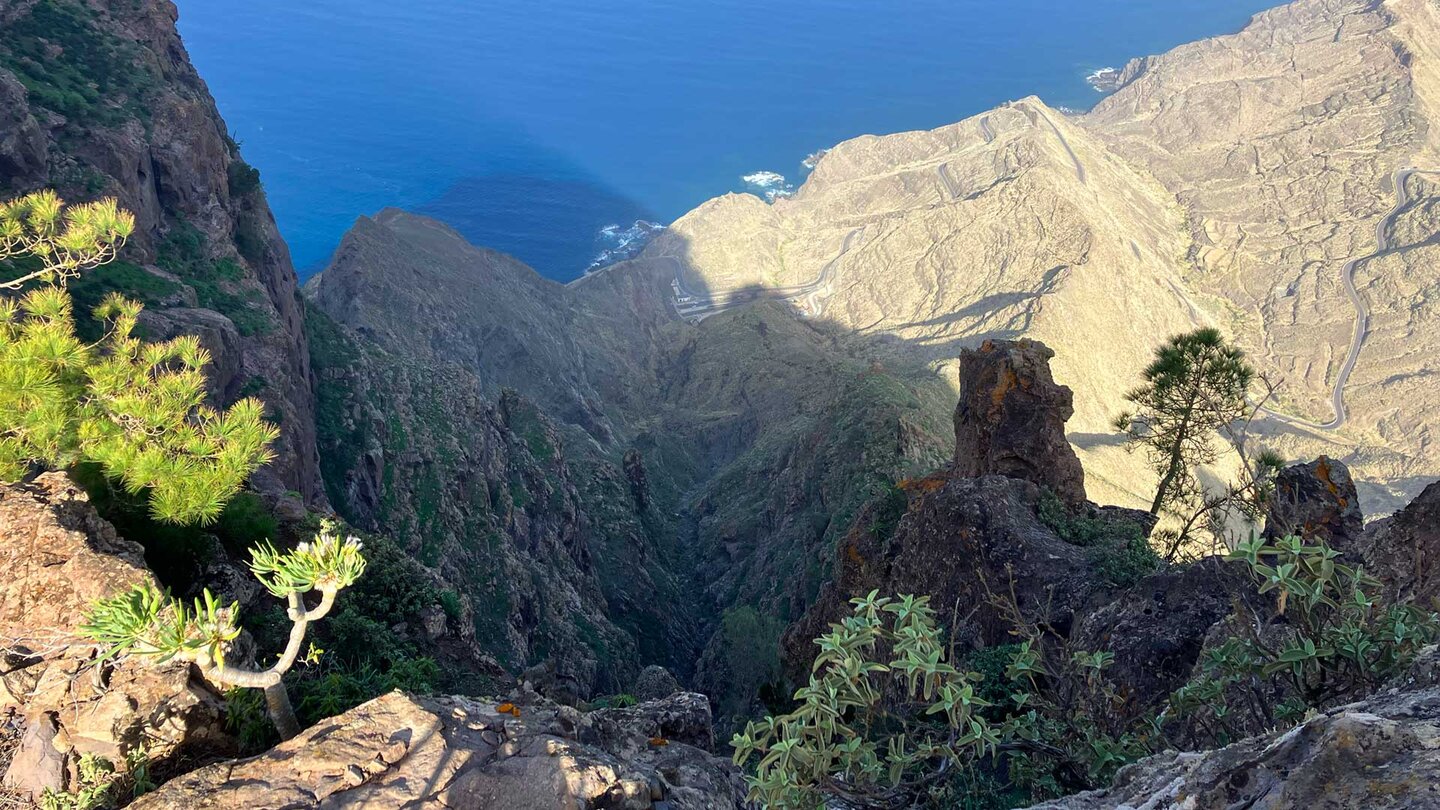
(1158, 628)
(1404, 551)
(655, 682)
(22, 143)
(960, 543)
(1316, 500)
(1011, 418)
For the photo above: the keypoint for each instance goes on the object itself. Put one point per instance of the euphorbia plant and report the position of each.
(146, 622)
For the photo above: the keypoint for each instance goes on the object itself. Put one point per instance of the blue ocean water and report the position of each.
(530, 125)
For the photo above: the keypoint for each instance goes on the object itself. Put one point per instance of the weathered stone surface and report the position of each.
(677, 717)
(1316, 500)
(22, 142)
(1404, 550)
(58, 557)
(655, 682)
(1158, 628)
(1011, 418)
(454, 752)
(1380, 753)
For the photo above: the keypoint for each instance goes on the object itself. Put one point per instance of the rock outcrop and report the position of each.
(401, 751)
(1403, 551)
(1158, 628)
(1316, 500)
(654, 683)
(58, 557)
(966, 536)
(1011, 418)
(1382, 753)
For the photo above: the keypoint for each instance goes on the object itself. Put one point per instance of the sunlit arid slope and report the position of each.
(1234, 181)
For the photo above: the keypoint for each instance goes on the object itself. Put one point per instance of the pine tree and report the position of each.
(1195, 392)
(135, 408)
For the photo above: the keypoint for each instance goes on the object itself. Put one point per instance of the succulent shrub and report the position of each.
(145, 621)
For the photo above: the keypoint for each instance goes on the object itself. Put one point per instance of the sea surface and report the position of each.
(549, 128)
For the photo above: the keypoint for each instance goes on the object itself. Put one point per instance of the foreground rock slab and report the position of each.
(454, 752)
(1379, 753)
(58, 556)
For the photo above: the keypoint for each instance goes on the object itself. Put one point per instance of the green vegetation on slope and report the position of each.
(72, 65)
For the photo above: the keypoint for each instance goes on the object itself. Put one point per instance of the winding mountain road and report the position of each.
(1362, 309)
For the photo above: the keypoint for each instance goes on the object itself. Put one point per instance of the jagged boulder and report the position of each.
(1403, 551)
(59, 556)
(1380, 753)
(655, 682)
(403, 751)
(1316, 500)
(1158, 628)
(1011, 418)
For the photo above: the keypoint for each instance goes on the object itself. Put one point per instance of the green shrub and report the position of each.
(70, 64)
(450, 602)
(1324, 638)
(327, 693)
(883, 715)
(613, 702)
(1120, 552)
(244, 178)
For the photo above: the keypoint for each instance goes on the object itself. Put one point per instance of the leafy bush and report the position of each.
(98, 784)
(1323, 638)
(883, 717)
(244, 178)
(612, 702)
(1120, 552)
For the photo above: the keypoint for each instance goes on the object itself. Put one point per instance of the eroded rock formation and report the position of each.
(1011, 418)
(1316, 500)
(1383, 752)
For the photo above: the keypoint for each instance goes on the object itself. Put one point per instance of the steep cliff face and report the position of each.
(756, 436)
(555, 555)
(100, 99)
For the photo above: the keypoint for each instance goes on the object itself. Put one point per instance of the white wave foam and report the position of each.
(1104, 80)
(622, 242)
(765, 179)
(770, 185)
(813, 158)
